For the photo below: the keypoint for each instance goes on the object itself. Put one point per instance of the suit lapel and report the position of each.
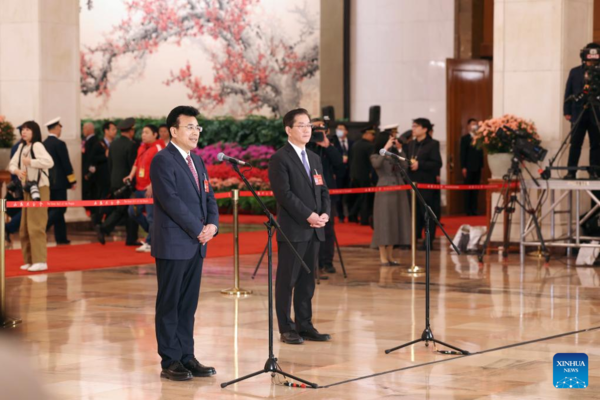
(179, 160)
(296, 160)
(313, 164)
(201, 174)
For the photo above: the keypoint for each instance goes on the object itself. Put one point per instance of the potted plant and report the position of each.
(7, 138)
(499, 147)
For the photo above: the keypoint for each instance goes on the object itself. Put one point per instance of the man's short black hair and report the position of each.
(173, 117)
(290, 117)
(153, 128)
(471, 120)
(106, 125)
(163, 126)
(424, 123)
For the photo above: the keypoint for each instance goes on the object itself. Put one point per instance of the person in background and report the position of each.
(471, 162)
(361, 175)
(62, 178)
(151, 145)
(163, 132)
(343, 144)
(87, 146)
(391, 210)
(31, 163)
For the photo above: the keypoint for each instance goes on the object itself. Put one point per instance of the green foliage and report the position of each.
(252, 130)
(7, 135)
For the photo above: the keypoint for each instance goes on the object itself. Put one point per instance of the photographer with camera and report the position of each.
(578, 107)
(333, 165)
(31, 163)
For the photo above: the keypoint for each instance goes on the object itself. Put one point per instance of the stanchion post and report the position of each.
(236, 290)
(413, 248)
(5, 322)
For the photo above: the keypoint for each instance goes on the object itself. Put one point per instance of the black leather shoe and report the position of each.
(198, 370)
(100, 234)
(176, 372)
(315, 336)
(62, 243)
(570, 176)
(329, 269)
(291, 337)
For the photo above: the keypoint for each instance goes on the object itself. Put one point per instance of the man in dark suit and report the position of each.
(186, 217)
(471, 162)
(343, 145)
(121, 157)
(87, 146)
(61, 178)
(100, 172)
(573, 110)
(303, 207)
(425, 164)
(361, 175)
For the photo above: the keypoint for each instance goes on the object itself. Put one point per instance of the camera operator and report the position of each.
(574, 109)
(333, 165)
(31, 163)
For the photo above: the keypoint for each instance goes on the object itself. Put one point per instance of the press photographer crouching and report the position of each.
(333, 165)
(581, 108)
(31, 163)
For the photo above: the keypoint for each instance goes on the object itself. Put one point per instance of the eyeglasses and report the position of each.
(191, 127)
(302, 126)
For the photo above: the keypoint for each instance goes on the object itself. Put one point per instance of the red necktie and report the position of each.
(189, 161)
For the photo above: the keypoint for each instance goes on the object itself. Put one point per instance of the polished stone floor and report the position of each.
(91, 334)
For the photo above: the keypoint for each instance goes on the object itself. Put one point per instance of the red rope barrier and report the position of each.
(227, 195)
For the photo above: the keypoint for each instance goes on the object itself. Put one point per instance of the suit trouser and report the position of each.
(56, 216)
(176, 303)
(136, 213)
(33, 229)
(432, 199)
(293, 280)
(586, 124)
(472, 178)
(362, 205)
(327, 248)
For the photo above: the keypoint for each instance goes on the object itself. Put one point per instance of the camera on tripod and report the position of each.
(590, 58)
(33, 189)
(318, 132)
(522, 146)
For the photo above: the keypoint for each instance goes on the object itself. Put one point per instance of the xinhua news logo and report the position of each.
(571, 371)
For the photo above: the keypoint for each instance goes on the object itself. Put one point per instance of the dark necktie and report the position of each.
(191, 166)
(305, 162)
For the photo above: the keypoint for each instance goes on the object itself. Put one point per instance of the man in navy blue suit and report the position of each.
(186, 218)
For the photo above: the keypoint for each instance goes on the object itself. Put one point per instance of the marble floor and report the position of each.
(90, 334)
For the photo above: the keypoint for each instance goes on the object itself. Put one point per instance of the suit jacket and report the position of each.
(297, 195)
(344, 175)
(121, 157)
(86, 157)
(61, 174)
(471, 158)
(361, 170)
(181, 209)
(98, 159)
(574, 87)
(427, 153)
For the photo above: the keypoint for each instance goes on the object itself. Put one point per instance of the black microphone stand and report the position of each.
(271, 365)
(427, 335)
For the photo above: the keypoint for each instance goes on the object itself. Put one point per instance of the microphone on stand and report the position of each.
(385, 153)
(223, 157)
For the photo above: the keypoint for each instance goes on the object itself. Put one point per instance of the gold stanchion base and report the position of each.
(414, 269)
(239, 292)
(10, 323)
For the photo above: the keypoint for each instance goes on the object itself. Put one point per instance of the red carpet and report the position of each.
(116, 254)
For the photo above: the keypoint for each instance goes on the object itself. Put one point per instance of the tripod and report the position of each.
(271, 364)
(337, 248)
(427, 335)
(501, 205)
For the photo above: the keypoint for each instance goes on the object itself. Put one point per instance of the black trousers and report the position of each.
(176, 304)
(292, 281)
(327, 248)
(473, 178)
(432, 198)
(586, 124)
(56, 216)
(362, 205)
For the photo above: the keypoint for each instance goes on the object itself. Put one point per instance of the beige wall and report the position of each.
(332, 55)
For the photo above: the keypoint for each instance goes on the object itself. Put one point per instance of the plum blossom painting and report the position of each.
(227, 57)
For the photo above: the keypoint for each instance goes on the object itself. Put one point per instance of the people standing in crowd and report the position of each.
(303, 208)
(574, 111)
(62, 177)
(425, 160)
(187, 218)
(121, 156)
(343, 144)
(333, 165)
(140, 172)
(14, 192)
(471, 162)
(100, 172)
(361, 175)
(391, 210)
(87, 175)
(31, 163)
(163, 132)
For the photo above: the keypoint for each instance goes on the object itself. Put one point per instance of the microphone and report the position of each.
(384, 153)
(223, 157)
